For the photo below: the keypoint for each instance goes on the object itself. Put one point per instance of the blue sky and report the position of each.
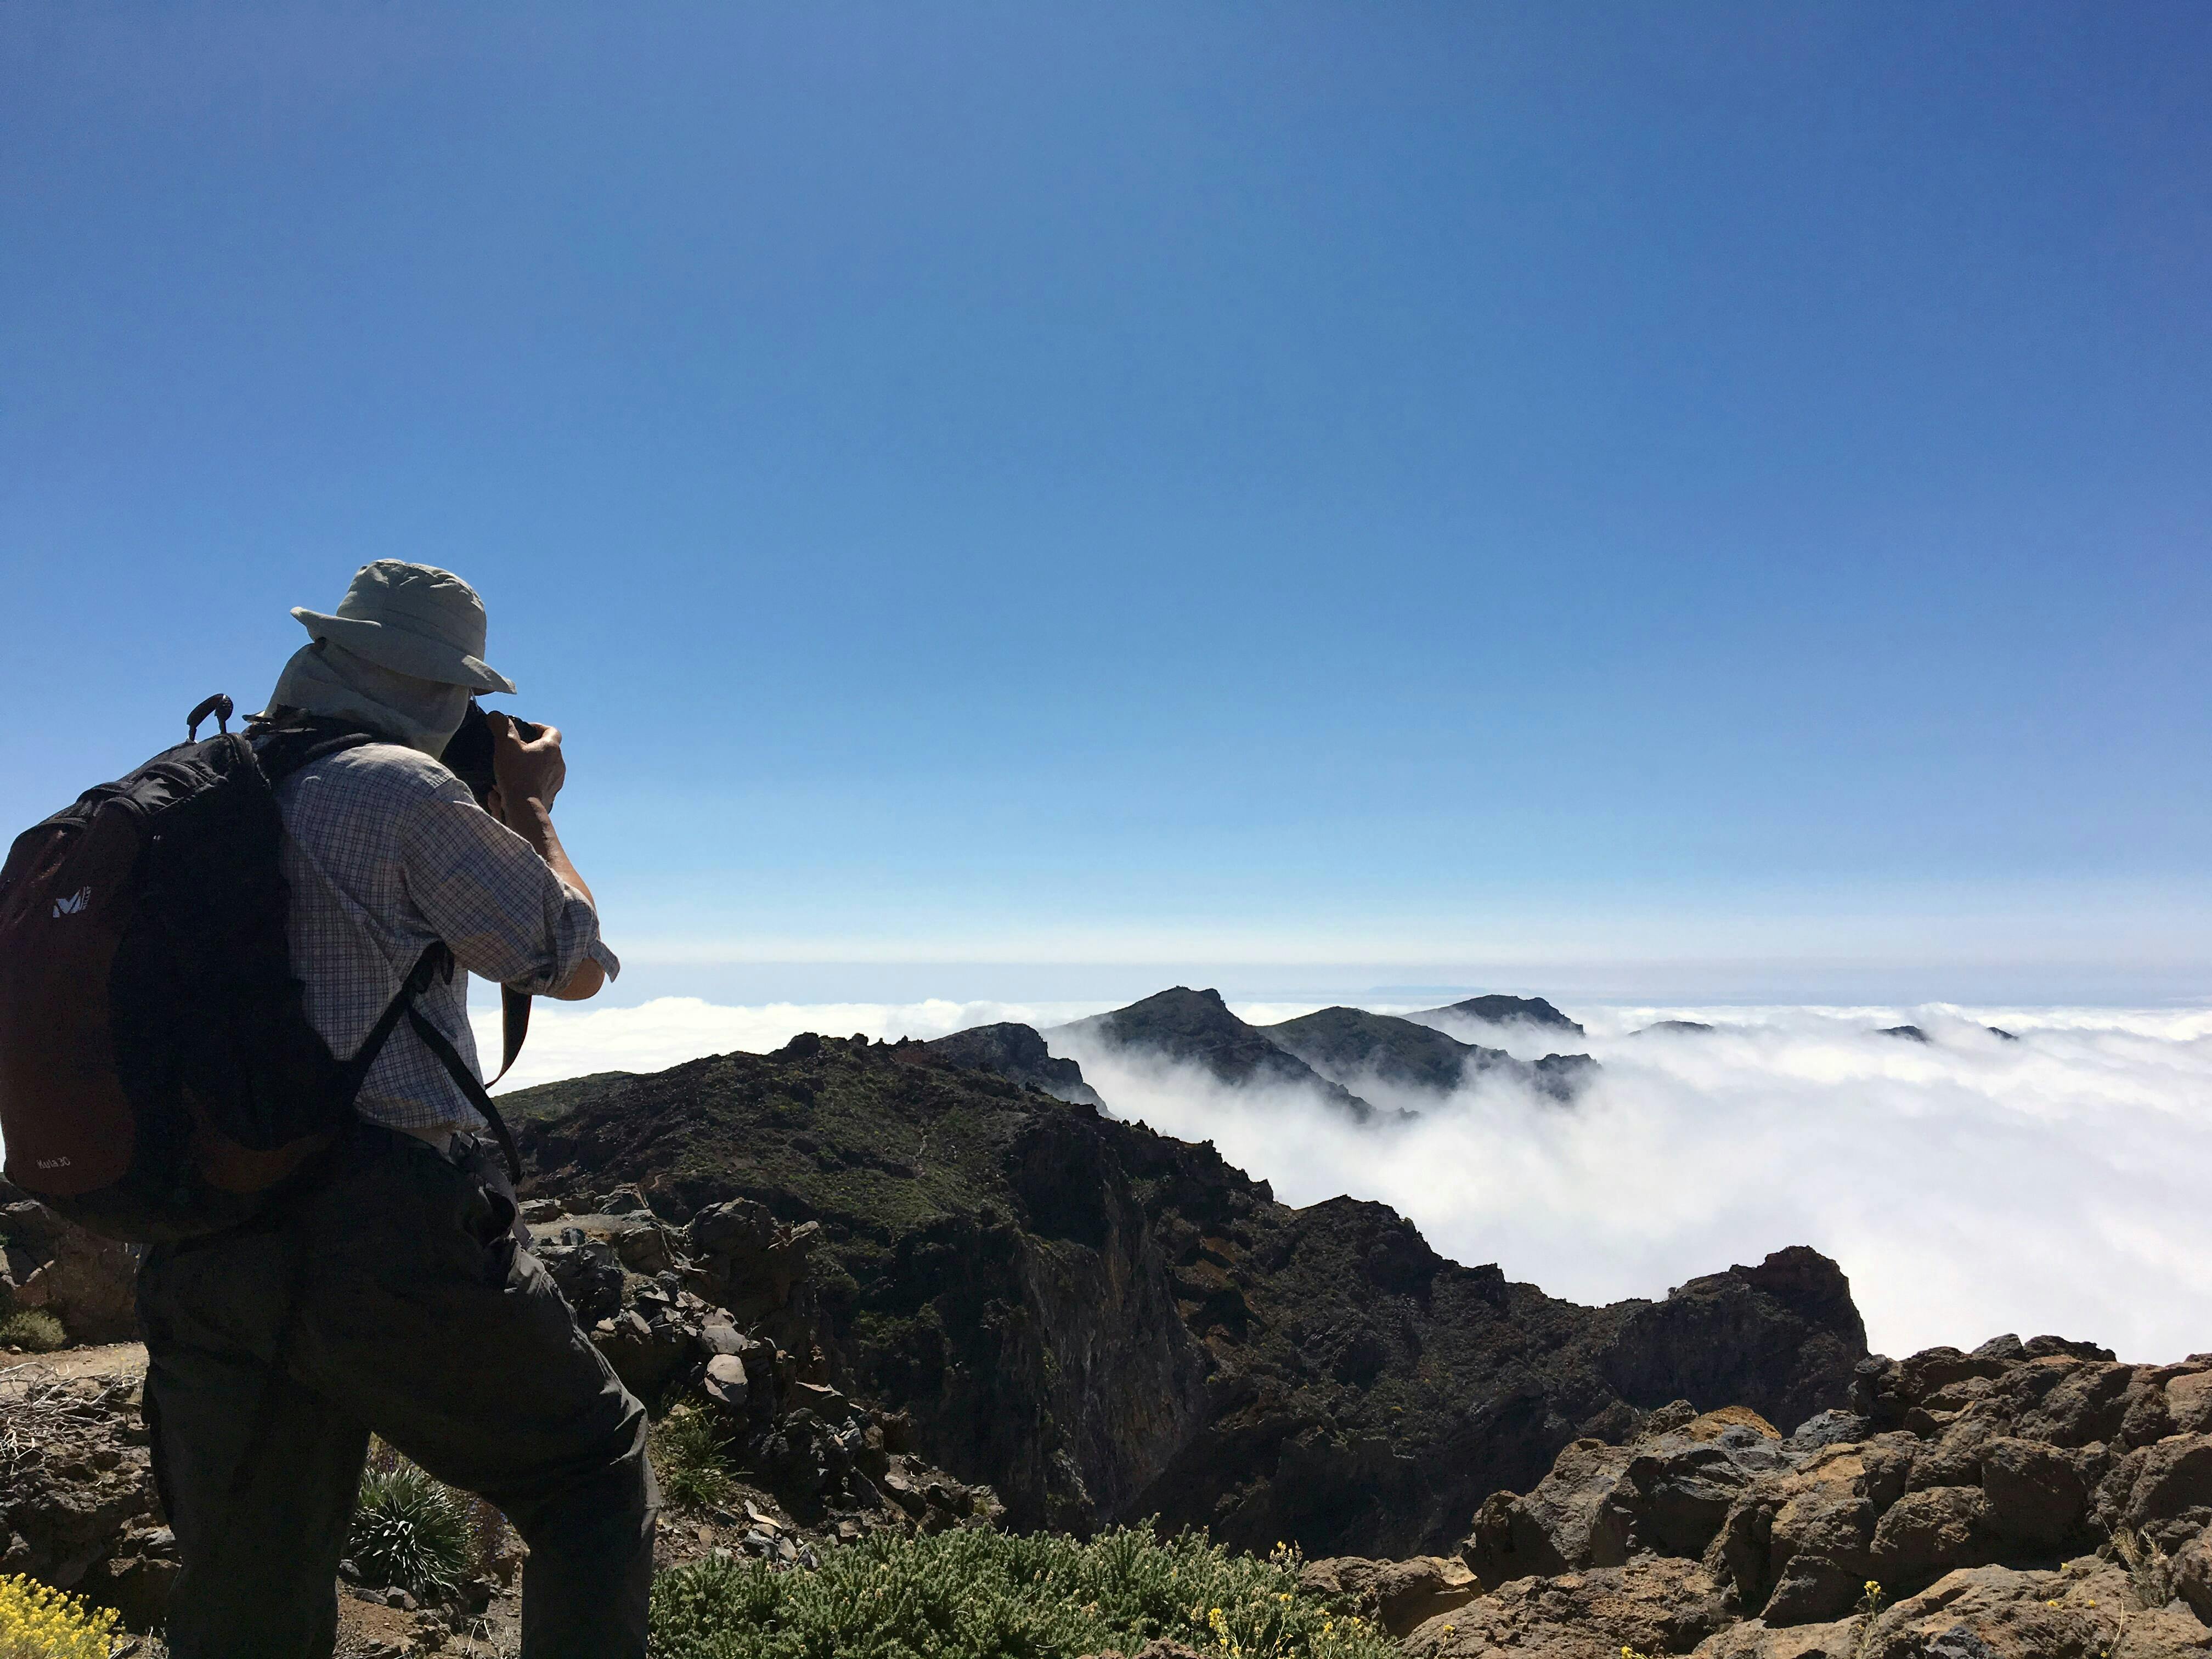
(1673, 501)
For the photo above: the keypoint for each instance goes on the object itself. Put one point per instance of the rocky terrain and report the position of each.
(2033, 1500)
(917, 1291)
(689, 1317)
(1102, 1323)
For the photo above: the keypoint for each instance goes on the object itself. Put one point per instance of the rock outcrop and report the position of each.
(2024, 1501)
(84, 1280)
(1102, 1323)
(77, 1504)
(1358, 1049)
(1018, 1052)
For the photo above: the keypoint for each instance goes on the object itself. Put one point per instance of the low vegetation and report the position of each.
(38, 1622)
(979, 1595)
(689, 1458)
(411, 1533)
(33, 1330)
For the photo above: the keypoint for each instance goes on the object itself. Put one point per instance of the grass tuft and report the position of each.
(409, 1531)
(973, 1594)
(687, 1447)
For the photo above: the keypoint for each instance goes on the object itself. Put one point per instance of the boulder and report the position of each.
(2191, 1572)
(2162, 1491)
(725, 1384)
(1754, 1638)
(589, 1276)
(1667, 1492)
(88, 1282)
(1396, 1595)
(2035, 1495)
(646, 1355)
(1798, 1546)
(1658, 1605)
(2000, 1613)
(1926, 1534)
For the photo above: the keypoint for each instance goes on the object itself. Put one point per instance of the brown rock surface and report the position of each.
(1666, 1492)
(1396, 1595)
(85, 1281)
(1658, 1605)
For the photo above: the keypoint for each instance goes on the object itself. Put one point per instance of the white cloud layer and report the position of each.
(1969, 1185)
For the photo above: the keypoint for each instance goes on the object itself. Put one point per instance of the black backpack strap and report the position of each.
(466, 1081)
(433, 961)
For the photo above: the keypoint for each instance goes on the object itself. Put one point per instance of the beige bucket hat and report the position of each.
(412, 619)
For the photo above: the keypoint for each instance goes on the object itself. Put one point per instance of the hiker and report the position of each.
(391, 1295)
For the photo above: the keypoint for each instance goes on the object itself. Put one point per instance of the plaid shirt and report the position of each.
(386, 853)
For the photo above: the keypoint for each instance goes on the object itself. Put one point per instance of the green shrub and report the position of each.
(33, 1329)
(687, 1451)
(409, 1531)
(972, 1593)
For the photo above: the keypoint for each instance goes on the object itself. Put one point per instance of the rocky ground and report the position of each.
(2024, 1501)
(688, 1317)
(868, 1264)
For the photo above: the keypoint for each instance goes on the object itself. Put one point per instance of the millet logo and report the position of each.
(76, 904)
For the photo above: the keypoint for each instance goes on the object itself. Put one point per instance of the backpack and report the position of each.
(159, 1078)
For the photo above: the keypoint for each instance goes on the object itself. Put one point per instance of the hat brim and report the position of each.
(403, 653)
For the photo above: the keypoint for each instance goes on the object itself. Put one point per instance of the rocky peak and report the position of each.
(1196, 1028)
(1503, 1010)
(1018, 1052)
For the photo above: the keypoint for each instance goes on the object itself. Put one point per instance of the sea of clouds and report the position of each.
(1969, 1185)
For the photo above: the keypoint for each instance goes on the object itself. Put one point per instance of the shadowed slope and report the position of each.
(1104, 1323)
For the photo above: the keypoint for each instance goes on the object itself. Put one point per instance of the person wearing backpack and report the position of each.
(386, 1291)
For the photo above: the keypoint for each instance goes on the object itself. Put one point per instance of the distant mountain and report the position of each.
(1196, 1028)
(1914, 1034)
(1350, 1046)
(1505, 1011)
(1017, 1052)
(1672, 1025)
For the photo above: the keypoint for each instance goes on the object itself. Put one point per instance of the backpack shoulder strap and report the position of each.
(427, 968)
(285, 749)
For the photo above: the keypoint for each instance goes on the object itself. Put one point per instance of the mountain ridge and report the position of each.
(1102, 1322)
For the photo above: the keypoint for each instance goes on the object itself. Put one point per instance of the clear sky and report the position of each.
(1680, 500)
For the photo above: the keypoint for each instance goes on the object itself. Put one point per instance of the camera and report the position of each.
(468, 752)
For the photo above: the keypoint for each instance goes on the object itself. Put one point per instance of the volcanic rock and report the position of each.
(1017, 1052)
(1396, 1595)
(1103, 1323)
(84, 1280)
(1660, 1605)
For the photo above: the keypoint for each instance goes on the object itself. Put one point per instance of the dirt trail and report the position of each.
(113, 1359)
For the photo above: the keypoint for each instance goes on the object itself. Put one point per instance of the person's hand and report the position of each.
(528, 769)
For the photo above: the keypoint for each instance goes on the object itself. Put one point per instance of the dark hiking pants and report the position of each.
(413, 1314)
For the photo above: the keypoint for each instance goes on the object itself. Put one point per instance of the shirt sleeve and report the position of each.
(485, 890)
